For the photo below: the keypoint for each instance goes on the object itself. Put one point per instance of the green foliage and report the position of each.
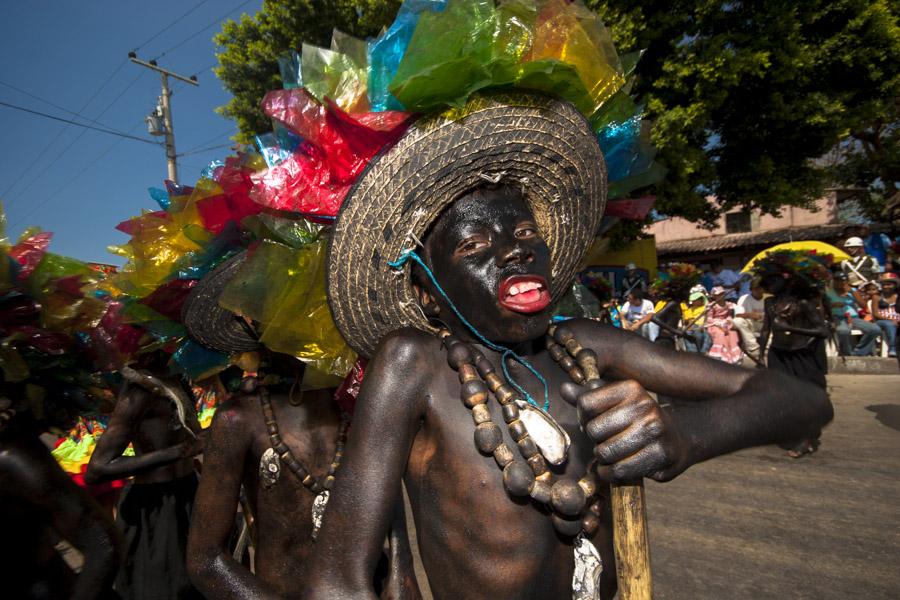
(746, 96)
(248, 65)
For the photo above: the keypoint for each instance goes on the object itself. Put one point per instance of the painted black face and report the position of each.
(488, 256)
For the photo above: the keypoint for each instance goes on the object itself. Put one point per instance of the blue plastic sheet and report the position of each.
(197, 362)
(289, 67)
(386, 51)
(160, 196)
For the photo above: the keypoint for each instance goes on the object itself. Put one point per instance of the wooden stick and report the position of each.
(631, 541)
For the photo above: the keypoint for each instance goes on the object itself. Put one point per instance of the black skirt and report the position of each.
(809, 364)
(154, 519)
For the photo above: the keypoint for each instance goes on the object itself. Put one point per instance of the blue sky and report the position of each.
(80, 183)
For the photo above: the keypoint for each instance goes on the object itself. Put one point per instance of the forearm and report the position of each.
(127, 466)
(216, 574)
(769, 408)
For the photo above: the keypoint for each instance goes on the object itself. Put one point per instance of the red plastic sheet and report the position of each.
(337, 147)
(348, 391)
(168, 299)
(29, 252)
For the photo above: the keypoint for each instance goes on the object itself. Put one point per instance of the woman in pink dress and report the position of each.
(719, 325)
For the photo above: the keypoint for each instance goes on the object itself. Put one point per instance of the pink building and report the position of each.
(740, 235)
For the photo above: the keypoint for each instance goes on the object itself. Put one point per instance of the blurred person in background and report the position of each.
(845, 306)
(860, 267)
(883, 307)
(748, 319)
(720, 326)
(636, 314)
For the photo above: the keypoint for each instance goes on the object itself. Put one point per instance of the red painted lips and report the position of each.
(524, 294)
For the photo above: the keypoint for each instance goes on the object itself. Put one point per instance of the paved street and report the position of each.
(759, 525)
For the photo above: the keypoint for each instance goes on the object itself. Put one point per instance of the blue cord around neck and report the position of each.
(505, 352)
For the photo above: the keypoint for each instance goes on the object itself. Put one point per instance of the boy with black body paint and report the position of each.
(476, 541)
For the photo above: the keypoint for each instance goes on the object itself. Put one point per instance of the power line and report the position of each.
(228, 145)
(71, 180)
(46, 169)
(169, 26)
(192, 36)
(210, 140)
(58, 107)
(70, 122)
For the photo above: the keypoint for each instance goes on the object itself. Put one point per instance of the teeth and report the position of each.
(514, 291)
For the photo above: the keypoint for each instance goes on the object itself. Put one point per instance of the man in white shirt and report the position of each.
(636, 315)
(748, 319)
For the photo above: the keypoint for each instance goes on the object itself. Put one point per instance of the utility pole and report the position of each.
(166, 109)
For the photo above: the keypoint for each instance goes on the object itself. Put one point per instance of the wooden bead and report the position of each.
(517, 478)
(473, 392)
(517, 430)
(450, 340)
(493, 381)
(271, 428)
(538, 465)
(458, 355)
(567, 363)
(562, 334)
(588, 483)
(308, 480)
(510, 412)
(556, 351)
(467, 373)
(577, 375)
(572, 346)
(540, 491)
(527, 447)
(487, 437)
(481, 413)
(590, 523)
(484, 366)
(505, 394)
(567, 498)
(503, 455)
(275, 439)
(551, 330)
(596, 508)
(566, 527)
(443, 333)
(329, 482)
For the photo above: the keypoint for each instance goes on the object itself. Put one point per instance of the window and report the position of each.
(737, 222)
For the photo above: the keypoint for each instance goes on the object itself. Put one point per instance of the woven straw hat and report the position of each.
(209, 323)
(542, 144)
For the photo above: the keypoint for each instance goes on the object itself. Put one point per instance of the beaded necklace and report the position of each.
(279, 453)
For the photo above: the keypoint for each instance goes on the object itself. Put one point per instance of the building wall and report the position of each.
(825, 212)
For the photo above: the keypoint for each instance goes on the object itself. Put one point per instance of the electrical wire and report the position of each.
(49, 197)
(228, 145)
(70, 122)
(210, 140)
(46, 168)
(58, 107)
(211, 25)
(169, 26)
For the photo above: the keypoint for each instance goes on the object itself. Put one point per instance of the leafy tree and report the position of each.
(248, 66)
(745, 95)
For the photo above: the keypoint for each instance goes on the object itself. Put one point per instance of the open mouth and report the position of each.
(524, 294)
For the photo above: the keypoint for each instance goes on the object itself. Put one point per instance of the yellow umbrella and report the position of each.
(822, 248)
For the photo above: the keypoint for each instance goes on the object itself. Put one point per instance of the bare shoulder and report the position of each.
(407, 347)
(234, 414)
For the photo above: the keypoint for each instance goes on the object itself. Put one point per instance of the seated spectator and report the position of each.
(845, 306)
(883, 307)
(726, 279)
(636, 314)
(860, 267)
(632, 281)
(696, 338)
(748, 318)
(720, 326)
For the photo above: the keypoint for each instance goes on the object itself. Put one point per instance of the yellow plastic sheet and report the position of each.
(283, 289)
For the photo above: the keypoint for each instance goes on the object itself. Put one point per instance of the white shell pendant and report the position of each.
(588, 568)
(551, 439)
(318, 511)
(269, 468)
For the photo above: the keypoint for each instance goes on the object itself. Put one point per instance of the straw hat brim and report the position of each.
(542, 144)
(210, 324)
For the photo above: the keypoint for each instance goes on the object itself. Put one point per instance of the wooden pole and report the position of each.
(632, 542)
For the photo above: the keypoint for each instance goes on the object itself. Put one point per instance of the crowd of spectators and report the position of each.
(723, 314)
